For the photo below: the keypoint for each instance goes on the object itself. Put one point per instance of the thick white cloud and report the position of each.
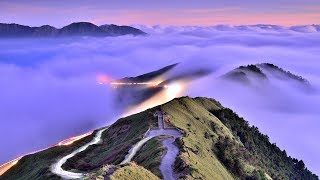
(260, 28)
(49, 91)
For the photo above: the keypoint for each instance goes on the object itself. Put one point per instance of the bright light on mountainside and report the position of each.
(173, 90)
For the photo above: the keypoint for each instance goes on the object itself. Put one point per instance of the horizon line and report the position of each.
(153, 25)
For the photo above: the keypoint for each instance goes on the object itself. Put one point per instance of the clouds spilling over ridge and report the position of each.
(49, 88)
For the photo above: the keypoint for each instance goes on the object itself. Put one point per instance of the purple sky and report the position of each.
(165, 12)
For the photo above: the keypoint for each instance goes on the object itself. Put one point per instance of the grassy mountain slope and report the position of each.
(133, 172)
(116, 142)
(196, 159)
(220, 145)
(257, 150)
(150, 155)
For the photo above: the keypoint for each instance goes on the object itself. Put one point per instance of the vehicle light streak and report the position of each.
(6, 166)
(56, 168)
(150, 84)
(73, 139)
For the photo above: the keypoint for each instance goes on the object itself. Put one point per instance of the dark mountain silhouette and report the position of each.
(15, 30)
(74, 29)
(45, 30)
(242, 74)
(148, 76)
(130, 95)
(265, 71)
(81, 29)
(121, 30)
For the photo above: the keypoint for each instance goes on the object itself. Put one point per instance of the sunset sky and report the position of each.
(164, 12)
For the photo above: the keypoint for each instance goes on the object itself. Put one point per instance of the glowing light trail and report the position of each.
(6, 166)
(149, 84)
(73, 139)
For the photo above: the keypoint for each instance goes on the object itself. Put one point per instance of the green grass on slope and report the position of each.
(133, 172)
(196, 158)
(37, 166)
(218, 144)
(117, 141)
(150, 156)
(258, 151)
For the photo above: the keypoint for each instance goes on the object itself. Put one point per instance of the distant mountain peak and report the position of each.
(262, 71)
(121, 30)
(254, 69)
(81, 28)
(243, 73)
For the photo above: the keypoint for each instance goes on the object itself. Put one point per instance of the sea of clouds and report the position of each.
(49, 89)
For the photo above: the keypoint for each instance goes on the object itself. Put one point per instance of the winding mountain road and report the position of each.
(57, 167)
(166, 163)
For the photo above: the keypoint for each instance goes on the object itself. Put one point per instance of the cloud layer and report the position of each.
(49, 89)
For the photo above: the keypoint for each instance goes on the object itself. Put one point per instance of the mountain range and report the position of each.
(74, 29)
